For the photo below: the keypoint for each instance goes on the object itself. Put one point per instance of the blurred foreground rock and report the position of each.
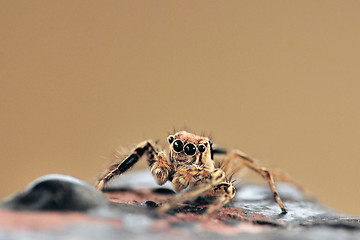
(63, 207)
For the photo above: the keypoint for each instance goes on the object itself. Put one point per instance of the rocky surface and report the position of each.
(63, 207)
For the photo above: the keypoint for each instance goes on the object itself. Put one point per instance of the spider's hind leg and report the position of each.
(279, 175)
(246, 161)
(157, 162)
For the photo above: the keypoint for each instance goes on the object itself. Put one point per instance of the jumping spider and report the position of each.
(190, 164)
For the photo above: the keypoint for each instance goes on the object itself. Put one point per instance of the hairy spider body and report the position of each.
(190, 165)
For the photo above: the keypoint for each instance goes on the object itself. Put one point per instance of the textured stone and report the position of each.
(130, 212)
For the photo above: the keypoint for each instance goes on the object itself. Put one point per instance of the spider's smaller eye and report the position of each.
(210, 142)
(190, 149)
(170, 139)
(202, 148)
(178, 146)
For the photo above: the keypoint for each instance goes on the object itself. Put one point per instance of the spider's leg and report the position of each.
(154, 158)
(226, 162)
(212, 180)
(182, 178)
(284, 177)
(265, 173)
(231, 165)
(217, 150)
(224, 192)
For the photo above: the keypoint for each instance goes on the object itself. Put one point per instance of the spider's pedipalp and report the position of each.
(160, 168)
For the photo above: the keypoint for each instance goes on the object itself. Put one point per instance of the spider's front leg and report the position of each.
(159, 166)
(224, 192)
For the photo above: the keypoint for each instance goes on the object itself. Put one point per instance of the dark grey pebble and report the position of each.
(56, 192)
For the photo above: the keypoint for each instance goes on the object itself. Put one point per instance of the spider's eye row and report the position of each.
(202, 148)
(178, 146)
(190, 149)
(170, 139)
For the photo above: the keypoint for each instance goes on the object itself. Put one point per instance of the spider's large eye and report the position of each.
(190, 149)
(178, 146)
(202, 148)
(170, 139)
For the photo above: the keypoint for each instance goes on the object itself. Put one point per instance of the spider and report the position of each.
(190, 165)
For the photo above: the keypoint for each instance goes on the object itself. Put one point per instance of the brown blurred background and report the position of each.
(277, 79)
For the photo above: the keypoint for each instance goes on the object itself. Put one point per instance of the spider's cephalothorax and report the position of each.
(187, 149)
(190, 165)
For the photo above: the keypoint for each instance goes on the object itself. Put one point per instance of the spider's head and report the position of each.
(189, 148)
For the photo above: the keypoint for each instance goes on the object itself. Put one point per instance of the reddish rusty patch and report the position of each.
(258, 216)
(233, 210)
(137, 196)
(230, 213)
(142, 195)
(49, 220)
(212, 224)
(190, 217)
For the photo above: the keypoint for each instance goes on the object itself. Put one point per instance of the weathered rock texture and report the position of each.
(59, 207)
